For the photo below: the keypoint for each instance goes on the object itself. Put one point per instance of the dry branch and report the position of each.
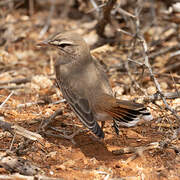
(15, 164)
(167, 95)
(105, 19)
(148, 66)
(16, 81)
(46, 26)
(15, 129)
(23, 177)
(6, 99)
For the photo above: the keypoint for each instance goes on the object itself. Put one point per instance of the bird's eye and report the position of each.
(63, 45)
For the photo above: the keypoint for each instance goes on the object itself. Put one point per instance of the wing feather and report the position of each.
(82, 109)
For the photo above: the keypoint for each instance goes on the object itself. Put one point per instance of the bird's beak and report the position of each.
(43, 44)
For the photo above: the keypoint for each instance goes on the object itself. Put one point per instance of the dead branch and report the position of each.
(138, 151)
(167, 95)
(29, 104)
(20, 130)
(148, 66)
(16, 81)
(6, 99)
(167, 34)
(123, 12)
(46, 27)
(20, 165)
(18, 176)
(170, 68)
(105, 19)
(31, 7)
(161, 52)
(95, 6)
(49, 120)
(6, 126)
(12, 87)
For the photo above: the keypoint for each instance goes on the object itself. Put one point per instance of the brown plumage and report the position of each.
(86, 88)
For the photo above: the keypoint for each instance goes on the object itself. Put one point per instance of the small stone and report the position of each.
(151, 90)
(51, 172)
(1, 118)
(91, 38)
(62, 167)
(118, 90)
(176, 104)
(25, 18)
(47, 145)
(93, 160)
(163, 85)
(160, 103)
(49, 112)
(52, 154)
(69, 163)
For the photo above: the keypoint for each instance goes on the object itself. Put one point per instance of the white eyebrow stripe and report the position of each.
(58, 43)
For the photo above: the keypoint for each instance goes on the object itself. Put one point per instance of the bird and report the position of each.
(86, 88)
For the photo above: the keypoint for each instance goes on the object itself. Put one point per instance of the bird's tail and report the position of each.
(128, 113)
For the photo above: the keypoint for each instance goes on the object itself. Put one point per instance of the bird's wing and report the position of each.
(82, 108)
(102, 76)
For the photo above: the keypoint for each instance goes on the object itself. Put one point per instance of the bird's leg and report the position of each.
(115, 126)
(102, 124)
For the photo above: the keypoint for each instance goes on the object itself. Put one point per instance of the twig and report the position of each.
(125, 32)
(168, 32)
(20, 130)
(132, 79)
(46, 27)
(6, 99)
(105, 19)
(167, 95)
(23, 177)
(123, 12)
(138, 151)
(16, 81)
(96, 7)
(12, 87)
(26, 133)
(160, 52)
(147, 64)
(12, 142)
(49, 120)
(128, 70)
(153, 54)
(177, 53)
(60, 101)
(29, 104)
(40, 130)
(170, 68)
(31, 7)
(6, 126)
(29, 136)
(15, 164)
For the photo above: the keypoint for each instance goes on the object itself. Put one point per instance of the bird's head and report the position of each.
(69, 45)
